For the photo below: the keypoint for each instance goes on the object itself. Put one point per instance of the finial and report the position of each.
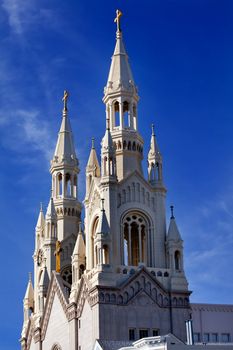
(41, 206)
(51, 193)
(172, 212)
(102, 204)
(93, 143)
(117, 20)
(64, 99)
(80, 227)
(30, 276)
(153, 129)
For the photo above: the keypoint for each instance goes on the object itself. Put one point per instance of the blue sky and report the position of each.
(181, 55)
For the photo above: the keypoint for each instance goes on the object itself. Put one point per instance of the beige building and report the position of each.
(119, 275)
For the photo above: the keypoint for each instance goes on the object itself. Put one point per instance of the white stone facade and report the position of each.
(121, 274)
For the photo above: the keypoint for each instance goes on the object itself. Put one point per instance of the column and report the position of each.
(129, 247)
(121, 114)
(63, 185)
(140, 242)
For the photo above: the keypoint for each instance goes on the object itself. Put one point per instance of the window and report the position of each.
(196, 337)
(177, 260)
(206, 337)
(117, 114)
(131, 334)
(155, 332)
(214, 337)
(225, 337)
(134, 240)
(143, 333)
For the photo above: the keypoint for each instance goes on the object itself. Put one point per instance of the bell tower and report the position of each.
(121, 100)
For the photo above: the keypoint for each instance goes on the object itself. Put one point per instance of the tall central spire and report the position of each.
(121, 99)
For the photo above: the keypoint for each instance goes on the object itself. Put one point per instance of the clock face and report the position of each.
(40, 257)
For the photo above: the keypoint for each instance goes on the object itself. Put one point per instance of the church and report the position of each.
(118, 276)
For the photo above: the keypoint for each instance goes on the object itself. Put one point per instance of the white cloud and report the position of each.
(18, 12)
(23, 14)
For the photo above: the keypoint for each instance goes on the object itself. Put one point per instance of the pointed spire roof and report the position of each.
(51, 212)
(107, 144)
(65, 150)
(44, 280)
(154, 148)
(120, 75)
(29, 295)
(41, 219)
(93, 160)
(173, 232)
(103, 226)
(79, 248)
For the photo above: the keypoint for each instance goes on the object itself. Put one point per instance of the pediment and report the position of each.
(150, 289)
(135, 177)
(135, 190)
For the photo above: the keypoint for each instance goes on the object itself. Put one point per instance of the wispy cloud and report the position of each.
(23, 14)
(18, 13)
(28, 133)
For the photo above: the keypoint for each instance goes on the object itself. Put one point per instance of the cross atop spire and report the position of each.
(117, 20)
(172, 211)
(64, 99)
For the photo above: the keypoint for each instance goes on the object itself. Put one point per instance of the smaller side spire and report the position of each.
(28, 300)
(78, 257)
(103, 227)
(41, 219)
(93, 167)
(51, 212)
(108, 156)
(173, 232)
(155, 175)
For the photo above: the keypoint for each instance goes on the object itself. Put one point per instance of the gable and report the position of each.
(56, 291)
(57, 330)
(135, 189)
(144, 289)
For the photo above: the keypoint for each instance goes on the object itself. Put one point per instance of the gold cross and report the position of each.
(65, 98)
(117, 19)
(57, 253)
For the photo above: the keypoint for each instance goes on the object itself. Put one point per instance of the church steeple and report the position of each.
(65, 150)
(64, 170)
(121, 98)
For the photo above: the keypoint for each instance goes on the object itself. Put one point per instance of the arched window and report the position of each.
(68, 192)
(117, 114)
(177, 260)
(134, 117)
(59, 184)
(81, 270)
(134, 239)
(126, 114)
(105, 254)
(66, 274)
(56, 347)
(75, 186)
(94, 250)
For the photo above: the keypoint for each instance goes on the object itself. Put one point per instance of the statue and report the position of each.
(57, 253)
